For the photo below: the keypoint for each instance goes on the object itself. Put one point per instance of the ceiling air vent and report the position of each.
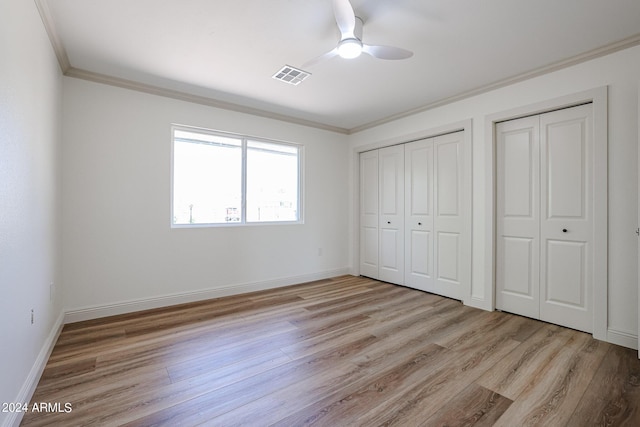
(291, 75)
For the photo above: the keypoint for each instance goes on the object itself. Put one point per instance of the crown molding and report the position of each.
(52, 32)
(196, 99)
(70, 71)
(583, 57)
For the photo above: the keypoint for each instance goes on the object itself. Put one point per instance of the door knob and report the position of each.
(388, 222)
(419, 223)
(564, 230)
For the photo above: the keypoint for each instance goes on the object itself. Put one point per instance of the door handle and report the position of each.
(388, 222)
(419, 223)
(564, 230)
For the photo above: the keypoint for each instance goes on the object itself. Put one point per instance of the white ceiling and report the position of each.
(226, 51)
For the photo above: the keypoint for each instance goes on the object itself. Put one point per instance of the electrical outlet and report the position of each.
(32, 316)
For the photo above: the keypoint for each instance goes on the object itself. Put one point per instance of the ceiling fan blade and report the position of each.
(386, 52)
(345, 17)
(320, 58)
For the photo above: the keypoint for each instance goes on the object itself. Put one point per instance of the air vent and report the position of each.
(291, 75)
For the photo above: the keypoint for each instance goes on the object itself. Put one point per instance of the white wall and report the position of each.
(30, 105)
(618, 71)
(119, 249)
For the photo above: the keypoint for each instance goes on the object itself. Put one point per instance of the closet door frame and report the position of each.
(598, 98)
(467, 127)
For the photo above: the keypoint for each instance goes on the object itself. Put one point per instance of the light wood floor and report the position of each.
(338, 352)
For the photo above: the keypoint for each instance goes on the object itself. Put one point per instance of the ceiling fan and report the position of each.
(350, 44)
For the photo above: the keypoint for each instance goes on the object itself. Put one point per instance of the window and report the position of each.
(220, 178)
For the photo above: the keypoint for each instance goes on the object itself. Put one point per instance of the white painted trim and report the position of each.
(52, 32)
(475, 302)
(598, 97)
(69, 70)
(467, 226)
(583, 57)
(600, 213)
(465, 126)
(624, 339)
(355, 211)
(123, 307)
(195, 99)
(29, 386)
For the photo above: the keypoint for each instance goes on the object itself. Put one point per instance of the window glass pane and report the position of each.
(272, 182)
(207, 178)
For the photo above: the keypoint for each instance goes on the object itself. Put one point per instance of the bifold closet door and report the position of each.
(369, 206)
(452, 241)
(435, 236)
(518, 224)
(544, 223)
(566, 220)
(391, 214)
(413, 208)
(419, 214)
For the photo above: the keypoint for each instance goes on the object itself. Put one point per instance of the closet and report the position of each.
(415, 216)
(544, 217)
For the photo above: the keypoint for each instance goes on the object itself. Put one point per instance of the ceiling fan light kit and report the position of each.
(350, 45)
(349, 48)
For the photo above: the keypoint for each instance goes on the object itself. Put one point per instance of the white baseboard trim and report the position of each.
(98, 311)
(29, 386)
(482, 304)
(624, 339)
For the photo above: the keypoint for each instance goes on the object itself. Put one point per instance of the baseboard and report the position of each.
(98, 311)
(482, 304)
(29, 386)
(624, 339)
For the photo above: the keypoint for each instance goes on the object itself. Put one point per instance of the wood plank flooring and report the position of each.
(347, 351)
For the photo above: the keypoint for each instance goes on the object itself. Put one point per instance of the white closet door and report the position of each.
(369, 206)
(566, 226)
(391, 214)
(450, 236)
(544, 222)
(419, 214)
(518, 222)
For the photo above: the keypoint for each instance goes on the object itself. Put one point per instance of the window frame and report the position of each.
(244, 140)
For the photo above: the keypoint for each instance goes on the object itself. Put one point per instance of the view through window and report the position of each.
(227, 179)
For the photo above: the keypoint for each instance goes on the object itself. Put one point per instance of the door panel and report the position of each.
(566, 270)
(369, 251)
(566, 228)
(419, 256)
(518, 176)
(565, 146)
(389, 249)
(448, 221)
(517, 267)
(448, 182)
(391, 218)
(517, 221)
(369, 206)
(419, 214)
(448, 254)
(419, 163)
(369, 187)
(391, 175)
